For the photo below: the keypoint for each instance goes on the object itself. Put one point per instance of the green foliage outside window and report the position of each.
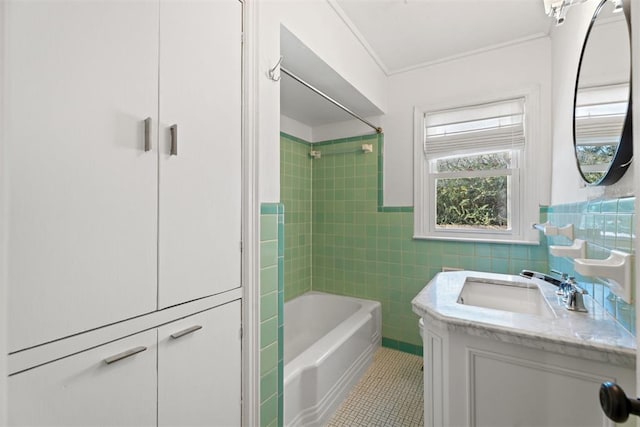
(474, 202)
(594, 155)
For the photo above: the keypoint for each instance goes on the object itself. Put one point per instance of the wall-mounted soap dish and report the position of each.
(616, 269)
(577, 250)
(552, 230)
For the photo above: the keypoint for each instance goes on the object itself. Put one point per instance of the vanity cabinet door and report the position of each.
(83, 390)
(200, 183)
(199, 362)
(82, 244)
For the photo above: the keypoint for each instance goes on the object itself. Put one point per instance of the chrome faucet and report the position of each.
(563, 287)
(575, 296)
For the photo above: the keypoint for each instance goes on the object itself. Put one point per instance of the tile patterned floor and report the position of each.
(389, 394)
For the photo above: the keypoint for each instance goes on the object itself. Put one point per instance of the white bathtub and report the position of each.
(329, 341)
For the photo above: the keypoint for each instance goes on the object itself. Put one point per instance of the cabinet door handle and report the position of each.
(173, 130)
(147, 134)
(186, 332)
(615, 403)
(124, 355)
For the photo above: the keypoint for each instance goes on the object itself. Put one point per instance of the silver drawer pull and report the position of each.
(186, 332)
(173, 131)
(124, 355)
(147, 134)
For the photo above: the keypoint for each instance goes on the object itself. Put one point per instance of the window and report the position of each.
(599, 120)
(471, 175)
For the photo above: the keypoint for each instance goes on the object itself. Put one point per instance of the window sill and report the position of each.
(478, 240)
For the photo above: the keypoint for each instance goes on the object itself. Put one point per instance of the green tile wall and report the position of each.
(271, 314)
(295, 195)
(605, 225)
(362, 249)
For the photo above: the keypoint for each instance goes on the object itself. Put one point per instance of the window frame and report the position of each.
(531, 162)
(513, 174)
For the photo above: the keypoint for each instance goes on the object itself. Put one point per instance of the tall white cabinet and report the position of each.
(200, 79)
(124, 151)
(83, 193)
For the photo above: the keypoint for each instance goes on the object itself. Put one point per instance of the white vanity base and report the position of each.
(508, 367)
(480, 381)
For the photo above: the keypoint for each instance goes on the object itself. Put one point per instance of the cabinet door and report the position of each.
(199, 371)
(83, 77)
(200, 93)
(83, 390)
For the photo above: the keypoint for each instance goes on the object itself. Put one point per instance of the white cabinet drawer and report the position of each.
(199, 381)
(83, 390)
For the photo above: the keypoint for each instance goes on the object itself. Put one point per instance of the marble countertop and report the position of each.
(594, 335)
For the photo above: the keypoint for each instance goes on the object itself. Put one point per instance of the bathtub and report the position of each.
(329, 341)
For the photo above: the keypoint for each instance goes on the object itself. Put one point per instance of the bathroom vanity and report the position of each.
(503, 350)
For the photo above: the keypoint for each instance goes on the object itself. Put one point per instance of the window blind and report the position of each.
(600, 114)
(486, 127)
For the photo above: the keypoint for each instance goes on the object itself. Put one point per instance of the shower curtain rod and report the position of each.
(328, 98)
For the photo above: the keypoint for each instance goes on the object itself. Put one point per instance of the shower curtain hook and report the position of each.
(272, 71)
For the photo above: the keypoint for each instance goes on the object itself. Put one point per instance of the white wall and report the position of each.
(320, 28)
(345, 129)
(477, 76)
(295, 128)
(3, 228)
(567, 39)
(549, 63)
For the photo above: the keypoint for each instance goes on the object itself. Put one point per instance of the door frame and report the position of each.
(3, 222)
(635, 98)
(250, 220)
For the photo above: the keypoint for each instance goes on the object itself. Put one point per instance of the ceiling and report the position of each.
(402, 35)
(406, 34)
(300, 103)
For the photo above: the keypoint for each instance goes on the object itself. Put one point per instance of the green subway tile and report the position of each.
(269, 332)
(268, 227)
(268, 385)
(500, 251)
(268, 279)
(609, 206)
(626, 205)
(389, 343)
(269, 411)
(268, 253)
(594, 206)
(482, 264)
(500, 266)
(410, 348)
(269, 208)
(390, 209)
(269, 358)
(268, 306)
(520, 252)
(355, 245)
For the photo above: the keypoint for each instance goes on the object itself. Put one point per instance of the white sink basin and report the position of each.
(506, 296)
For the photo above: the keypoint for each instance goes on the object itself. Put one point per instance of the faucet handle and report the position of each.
(574, 285)
(575, 296)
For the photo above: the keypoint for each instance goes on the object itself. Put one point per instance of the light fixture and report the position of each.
(557, 9)
(617, 6)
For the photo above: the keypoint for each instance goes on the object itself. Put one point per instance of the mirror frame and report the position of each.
(624, 153)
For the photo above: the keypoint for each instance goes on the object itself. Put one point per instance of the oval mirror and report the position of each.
(602, 133)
